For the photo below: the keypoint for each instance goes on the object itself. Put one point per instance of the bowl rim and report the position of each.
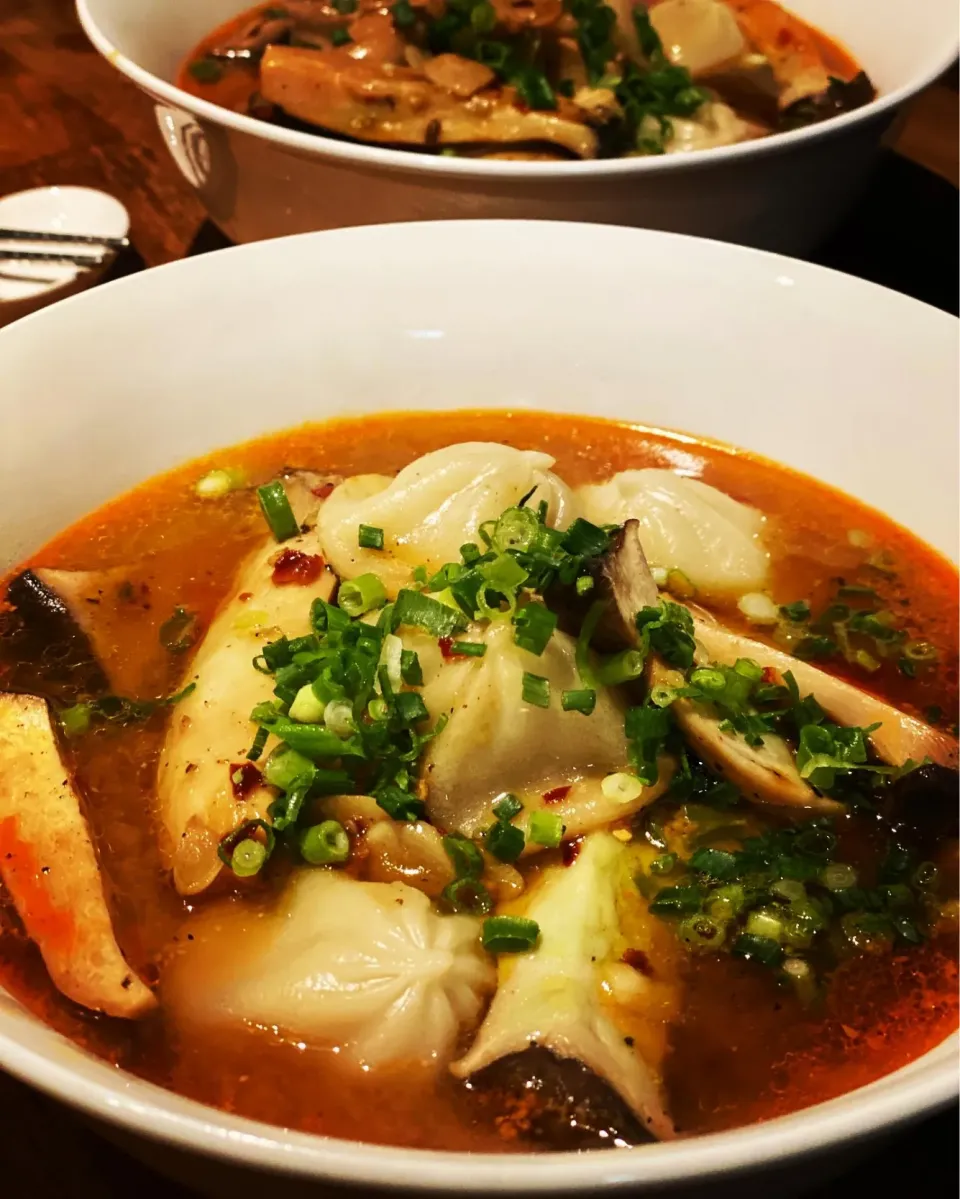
(162, 1116)
(34, 1052)
(316, 145)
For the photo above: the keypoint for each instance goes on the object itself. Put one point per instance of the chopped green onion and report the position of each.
(510, 934)
(584, 584)
(505, 841)
(546, 828)
(468, 649)
(759, 609)
(587, 630)
(248, 858)
(409, 708)
(467, 860)
(338, 717)
(180, 632)
(362, 594)
(426, 612)
(682, 900)
(583, 700)
(766, 951)
(517, 529)
(920, 651)
(398, 803)
(507, 807)
(796, 612)
(285, 766)
(206, 70)
(536, 690)
(838, 876)
(324, 844)
(306, 707)
(789, 889)
(726, 902)
(715, 863)
(369, 537)
(76, 720)
(585, 539)
(467, 895)
(340, 37)
(277, 511)
(679, 585)
(410, 669)
(620, 668)
(535, 625)
(925, 876)
(622, 787)
(663, 864)
(259, 741)
(249, 861)
(701, 932)
(765, 924)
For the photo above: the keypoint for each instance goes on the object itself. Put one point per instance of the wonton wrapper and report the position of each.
(559, 996)
(49, 867)
(434, 506)
(210, 730)
(495, 742)
(685, 525)
(370, 967)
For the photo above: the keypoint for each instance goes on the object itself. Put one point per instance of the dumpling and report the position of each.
(495, 742)
(714, 124)
(210, 730)
(368, 967)
(433, 506)
(566, 995)
(686, 525)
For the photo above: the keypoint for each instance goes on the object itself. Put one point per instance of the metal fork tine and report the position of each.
(51, 256)
(86, 239)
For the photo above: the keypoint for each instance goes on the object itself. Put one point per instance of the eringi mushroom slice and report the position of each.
(49, 867)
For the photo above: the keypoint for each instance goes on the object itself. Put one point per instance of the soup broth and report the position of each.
(743, 1045)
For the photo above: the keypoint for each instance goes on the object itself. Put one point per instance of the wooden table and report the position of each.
(67, 117)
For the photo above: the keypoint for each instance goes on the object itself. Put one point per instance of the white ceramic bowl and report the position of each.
(782, 193)
(146, 372)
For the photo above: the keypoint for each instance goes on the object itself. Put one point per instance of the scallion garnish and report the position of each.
(277, 511)
(535, 625)
(324, 844)
(468, 649)
(243, 851)
(467, 895)
(362, 594)
(584, 700)
(422, 611)
(369, 537)
(507, 808)
(546, 828)
(509, 934)
(536, 690)
(505, 841)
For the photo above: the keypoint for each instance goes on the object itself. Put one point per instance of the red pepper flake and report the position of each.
(638, 960)
(244, 596)
(771, 676)
(322, 491)
(785, 38)
(570, 851)
(244, 778)
(556, 795)
(446, 647)
(294, 567)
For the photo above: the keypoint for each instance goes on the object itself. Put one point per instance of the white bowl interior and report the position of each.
(833, 376)
(886, 36)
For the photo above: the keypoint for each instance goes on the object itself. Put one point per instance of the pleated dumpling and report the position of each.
(686, 525)
(368, 967)
(433, 506)
(572, 994)
(495, 741)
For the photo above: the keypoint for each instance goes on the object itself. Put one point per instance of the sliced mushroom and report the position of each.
(49, 867)
(46, 649)
(399, 106)
(900, 737)
(210, 730)
(554, 997)
(766, 773)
